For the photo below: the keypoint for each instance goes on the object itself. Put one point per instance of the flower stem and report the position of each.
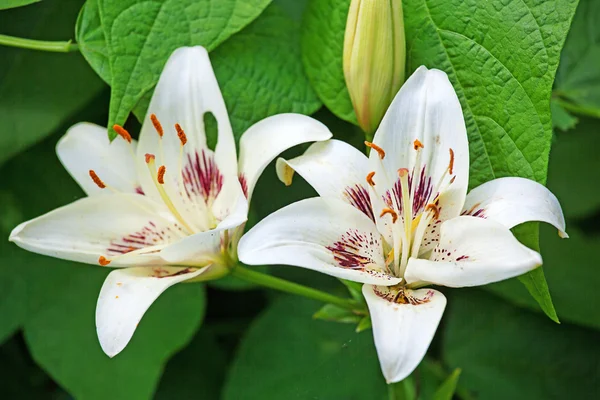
(57, 47)
(403, 390)
(291, 287)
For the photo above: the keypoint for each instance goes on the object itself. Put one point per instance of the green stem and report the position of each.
(403, 390)
(290, 287)
(577, 109)
(58, 47)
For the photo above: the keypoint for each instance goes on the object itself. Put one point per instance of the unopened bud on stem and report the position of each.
(374, 58)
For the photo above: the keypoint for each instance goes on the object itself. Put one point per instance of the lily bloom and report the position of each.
(401, 219)
(168, 208)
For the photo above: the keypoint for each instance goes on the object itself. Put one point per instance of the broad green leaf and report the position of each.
(59, 298)
(504, 89)
(140, 36)
(40, 90)
(323, 28)
(287, 355)
(577, 85)
(6, 4)
(446, 391)
(507, 353)
(570, 265)
(196, 372)
(260, 71)
(561, 118)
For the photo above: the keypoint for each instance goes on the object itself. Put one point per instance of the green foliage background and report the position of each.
(231, 340)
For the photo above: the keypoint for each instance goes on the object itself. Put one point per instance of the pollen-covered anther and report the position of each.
(122, 132)
(370, 178)
(161, 174)
(157, 125)
(393, 213)
(149, 158)
(417, 144)
(103, 261)
(402, 172)
(97, 179)
(433, 208)
(378, 149)
(181, 134)
(451, 165)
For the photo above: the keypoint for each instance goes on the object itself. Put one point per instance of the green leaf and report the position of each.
(6, 4)
(323, 28)
(578, 80)
(504, 89)
(507, 353)
(39, 91)
(260, 72)
(286, 354)
(330, 312)
(62, 339)
(140, 36)
(446, 391)
(55, 300)
(570, 265)
(364, 324)
(196, 372)
(561, 118)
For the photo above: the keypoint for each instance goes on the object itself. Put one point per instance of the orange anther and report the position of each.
(96, 179)
(417, 144)
(370, 178)
(157, 125)
(161, 174)
(402, 172)
(391, 212)
(149, 158)
(434, 208)
(122, 132)
(378, 149)
(103, 261)
(451, 165)
(181, 134)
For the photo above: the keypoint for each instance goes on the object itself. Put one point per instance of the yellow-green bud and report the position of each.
(374, 58)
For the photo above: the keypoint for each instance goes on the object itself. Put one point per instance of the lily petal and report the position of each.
(473, 251)
(403, 332)
(322, 234)
(186, 90)
(335, 169)
(86, 147)
(268, 138)
(125, 228)
(424, 132)
(513, 201)
(126, 295)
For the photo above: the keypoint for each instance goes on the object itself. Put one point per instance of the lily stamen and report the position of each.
(157, 125)
(122, 132)
(161, 174)
(370, 178)
(97, 179)
(378, 149)
(103, 261)
(393, 213)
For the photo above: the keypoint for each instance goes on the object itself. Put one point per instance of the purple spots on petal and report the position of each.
(358, 196)
(201, 176)
(138, 190)
(244, 184)
(149, 235)
(449, 255)
(461, 258)
(475, 211)
(423, 193)
(354, 250)
(400, 295)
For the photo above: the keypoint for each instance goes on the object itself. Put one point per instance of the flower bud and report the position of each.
(374, 58)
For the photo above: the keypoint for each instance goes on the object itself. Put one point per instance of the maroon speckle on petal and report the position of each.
(244, 184)
(358, 196)
(149, 235)
(201, 176)
(354, 250)
(400, 295)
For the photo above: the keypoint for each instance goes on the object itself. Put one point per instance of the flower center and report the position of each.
(412, 206)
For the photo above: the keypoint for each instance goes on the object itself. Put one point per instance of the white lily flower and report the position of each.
(401, 219)
(167, 209)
